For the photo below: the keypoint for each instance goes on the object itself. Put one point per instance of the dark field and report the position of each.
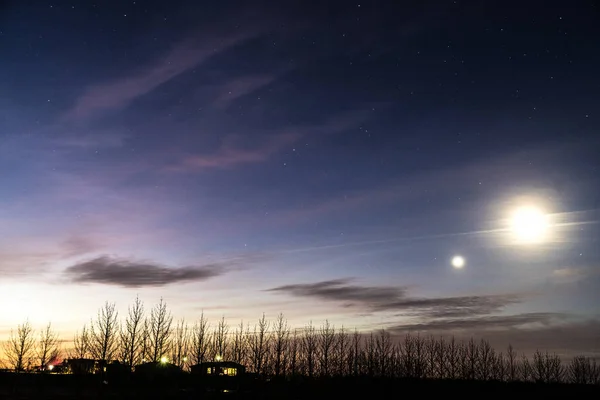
(26, 386)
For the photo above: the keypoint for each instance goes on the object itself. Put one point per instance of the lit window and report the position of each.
(208, 370)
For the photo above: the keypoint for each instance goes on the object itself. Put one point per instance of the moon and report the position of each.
(529, 224)
(458, 262)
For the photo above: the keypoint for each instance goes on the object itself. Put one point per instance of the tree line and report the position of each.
(274, 348)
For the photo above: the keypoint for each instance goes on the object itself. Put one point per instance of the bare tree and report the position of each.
(294, 350)
(145, 341)
(309, 348)
(525, 369)
(326, 345)
(259, 342)
(370, 349)
(355, 353)
(546, 368)
(160, 331)
(396, 361)
(47, 349)
(341, 352)
(200, 340)
(105, 333)
(220, 339)
(383, 351)
(431, 357)
(19, 349)
(584, 371)
(452, 358)
(440, 358)
(469, 359)
(281, 339)
(238, 351)
(485, 360)
(499, 371)
(180, 344)
(132, 334)
(81, 344)
(512, 367)
(409, 356)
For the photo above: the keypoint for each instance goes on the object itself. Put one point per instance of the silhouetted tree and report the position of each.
(354, 357)
(413, 360)
(180, 344)
(396, 361)
(259, 343)
(280, 342)
(309, 348)
(145, 341)
(326, 342)
(431, 357)
(81, 344)
(341, 352)
(294, 347)
(200, 340)
(583, 370)
(512, 366)
(132, 334)
(525, 369)
(499, 368)
(469, 358)
(546, 368)
(160, 331)
(440, 349)
(47, 348)
(104, 333)
(370, 355)
(220, 339)
(452, 358)
(19, 349)
(485, 360)
(383, 352)
(238, 351)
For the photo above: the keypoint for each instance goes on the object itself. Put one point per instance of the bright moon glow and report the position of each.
(458, 262)
(529, 224)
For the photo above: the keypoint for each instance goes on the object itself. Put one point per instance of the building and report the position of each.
(218, 368)
(156, 369)
(81, 366)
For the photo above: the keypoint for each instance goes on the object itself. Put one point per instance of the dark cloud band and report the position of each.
(126, 273)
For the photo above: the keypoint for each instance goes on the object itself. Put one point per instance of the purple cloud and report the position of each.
(119, 93)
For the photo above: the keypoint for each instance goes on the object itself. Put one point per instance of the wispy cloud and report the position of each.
(242, 86)
(119, 93)
(482, 322)
(99, 139)
(233, 153)
(77, 245)
(571, 274)
(397, 299)
(342, 290)
(129, 273)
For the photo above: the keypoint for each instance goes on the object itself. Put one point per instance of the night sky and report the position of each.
(320, 159)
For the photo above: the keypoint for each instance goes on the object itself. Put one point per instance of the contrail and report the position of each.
(413, 238)
(390, 240)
